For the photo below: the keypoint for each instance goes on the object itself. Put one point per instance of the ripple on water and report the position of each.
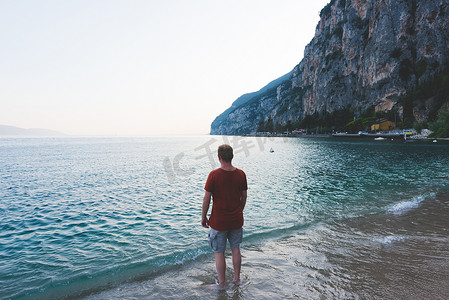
(98, 205)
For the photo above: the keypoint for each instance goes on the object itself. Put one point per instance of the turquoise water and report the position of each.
(84, 215)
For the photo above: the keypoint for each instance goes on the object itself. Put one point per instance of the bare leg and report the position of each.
(220, 264)
(237, 263)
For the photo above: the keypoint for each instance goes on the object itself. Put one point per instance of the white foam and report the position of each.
(404, 206)
(387, 240)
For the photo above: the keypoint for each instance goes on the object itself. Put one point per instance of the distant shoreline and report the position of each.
(349, 135)
(13, 131)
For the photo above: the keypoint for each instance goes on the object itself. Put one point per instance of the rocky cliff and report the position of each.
(365, 53)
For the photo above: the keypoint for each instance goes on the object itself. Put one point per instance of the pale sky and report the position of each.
(154, 67)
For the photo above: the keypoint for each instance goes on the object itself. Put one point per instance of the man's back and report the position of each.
(226, 188)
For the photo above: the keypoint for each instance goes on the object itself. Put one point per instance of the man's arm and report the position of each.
(243, 198)
(206, 203)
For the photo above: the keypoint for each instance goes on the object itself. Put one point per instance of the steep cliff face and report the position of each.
(364, 53)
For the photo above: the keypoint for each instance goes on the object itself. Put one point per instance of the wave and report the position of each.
(388, 240)
(406, 205)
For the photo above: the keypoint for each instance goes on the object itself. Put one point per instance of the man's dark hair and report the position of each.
(225, 152)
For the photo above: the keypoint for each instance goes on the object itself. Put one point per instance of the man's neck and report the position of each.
(227, 166)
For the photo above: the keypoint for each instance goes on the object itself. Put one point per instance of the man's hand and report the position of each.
(205, 222)
(205, 209)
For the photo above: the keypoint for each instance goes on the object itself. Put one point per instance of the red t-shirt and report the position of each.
(226, 188)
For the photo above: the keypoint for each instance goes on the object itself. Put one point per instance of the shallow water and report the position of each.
(119, 218)
(379, 256)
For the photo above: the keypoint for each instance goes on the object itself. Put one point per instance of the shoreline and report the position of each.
(349, 135)
(374, 256)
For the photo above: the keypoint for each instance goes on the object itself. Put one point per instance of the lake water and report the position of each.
(116, 218)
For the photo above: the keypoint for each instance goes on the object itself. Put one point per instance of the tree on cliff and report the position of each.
(440, 127)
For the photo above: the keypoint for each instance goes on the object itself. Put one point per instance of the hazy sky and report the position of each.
(89, 67)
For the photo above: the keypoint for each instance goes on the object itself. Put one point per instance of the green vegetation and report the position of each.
(338, 120)
(420, 126)
(367, 118)
(435, 90)
(440, 128)
(326, 122)
(360, 124)
(407, 113)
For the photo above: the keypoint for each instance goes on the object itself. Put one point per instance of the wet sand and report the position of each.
(379, 256)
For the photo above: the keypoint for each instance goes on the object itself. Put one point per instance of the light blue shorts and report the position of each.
(217, 239)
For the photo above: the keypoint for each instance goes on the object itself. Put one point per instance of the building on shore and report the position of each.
(382, 125)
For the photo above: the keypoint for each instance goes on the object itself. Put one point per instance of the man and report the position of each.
(228, 188)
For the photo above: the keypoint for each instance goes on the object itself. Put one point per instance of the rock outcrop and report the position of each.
(364, 53)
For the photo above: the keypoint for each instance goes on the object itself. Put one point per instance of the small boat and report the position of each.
(434, 141)
(379, 139)
(271, 150)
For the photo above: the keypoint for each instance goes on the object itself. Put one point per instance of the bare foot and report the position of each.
(238, 281)
(221, 286)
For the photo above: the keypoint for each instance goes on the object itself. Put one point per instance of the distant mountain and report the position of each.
(6, 130)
